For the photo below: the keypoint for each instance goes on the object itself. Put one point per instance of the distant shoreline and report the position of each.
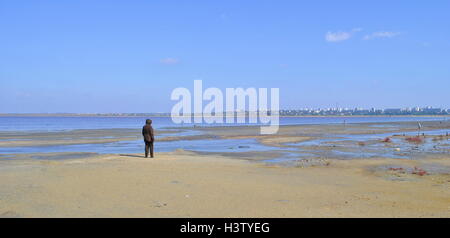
(163, 116)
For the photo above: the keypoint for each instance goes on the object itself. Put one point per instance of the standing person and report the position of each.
(147, 132)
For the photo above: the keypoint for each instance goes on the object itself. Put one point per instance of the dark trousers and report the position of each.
(148, 146)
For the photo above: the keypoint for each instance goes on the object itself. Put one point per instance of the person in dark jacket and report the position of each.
(147, 132)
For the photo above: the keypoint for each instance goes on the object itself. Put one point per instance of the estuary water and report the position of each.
(21, 125)
(49, 124)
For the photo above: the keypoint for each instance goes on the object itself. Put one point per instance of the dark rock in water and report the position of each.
(243, 147)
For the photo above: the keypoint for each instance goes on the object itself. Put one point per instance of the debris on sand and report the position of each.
(415, 139)
(396, 169)
(419, 171)
(439, 138)
(305, 163)
(399, 170)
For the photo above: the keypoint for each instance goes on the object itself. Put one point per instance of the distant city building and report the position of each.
(362, 111)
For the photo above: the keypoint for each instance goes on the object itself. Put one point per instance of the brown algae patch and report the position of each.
(402, 172)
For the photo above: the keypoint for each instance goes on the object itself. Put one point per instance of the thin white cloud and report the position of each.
(381, 34)
(341, 35)
(337, 36)
(169, 61)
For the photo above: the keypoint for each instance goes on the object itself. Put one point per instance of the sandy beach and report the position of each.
(184, 184)
(239, 184)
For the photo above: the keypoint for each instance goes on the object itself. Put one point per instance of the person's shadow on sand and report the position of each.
(135, 156)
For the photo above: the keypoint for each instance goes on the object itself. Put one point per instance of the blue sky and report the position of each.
(128, 56)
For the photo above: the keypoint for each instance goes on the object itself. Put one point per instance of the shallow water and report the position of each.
(73, 123)
(137, 146)
(345, 144)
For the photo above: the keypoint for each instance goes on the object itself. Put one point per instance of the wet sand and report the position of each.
(73, 137)
(319, 182)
